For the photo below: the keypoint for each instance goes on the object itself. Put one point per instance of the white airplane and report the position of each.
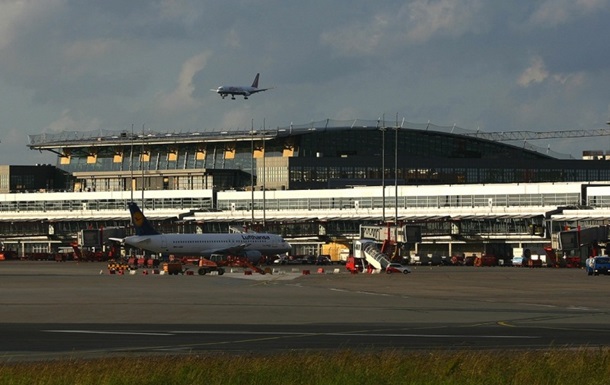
(246, 91)
(251, 245)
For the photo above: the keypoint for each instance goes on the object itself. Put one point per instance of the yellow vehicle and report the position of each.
(338, 252)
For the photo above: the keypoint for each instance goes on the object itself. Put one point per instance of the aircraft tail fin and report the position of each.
(255, 82)
(139, 221)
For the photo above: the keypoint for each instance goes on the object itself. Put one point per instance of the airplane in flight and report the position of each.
(246, 91)
(250, 245)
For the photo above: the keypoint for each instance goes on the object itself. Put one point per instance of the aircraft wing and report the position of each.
(137, 241)
(229, 250)
(261, 89)
(118, 240)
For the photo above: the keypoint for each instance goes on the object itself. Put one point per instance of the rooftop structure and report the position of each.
(327, 154)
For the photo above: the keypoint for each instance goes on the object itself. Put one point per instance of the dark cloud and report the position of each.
(540, 65)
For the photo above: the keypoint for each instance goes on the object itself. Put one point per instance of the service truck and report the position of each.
(337, 251)
(598, 265)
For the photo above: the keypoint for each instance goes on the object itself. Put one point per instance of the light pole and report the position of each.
(264, 177)
(252, 172)
(142, 166)
(383, 129)
(131, 164)
(396, 176)
(608, 122)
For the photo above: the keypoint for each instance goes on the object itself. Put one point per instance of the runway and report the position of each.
(57, 310)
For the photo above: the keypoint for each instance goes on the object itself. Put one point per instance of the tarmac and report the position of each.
(483, 307)
(86, 292)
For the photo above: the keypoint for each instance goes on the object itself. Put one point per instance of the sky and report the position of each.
(520, 65)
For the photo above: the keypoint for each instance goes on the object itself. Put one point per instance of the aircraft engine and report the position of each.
(254, 256)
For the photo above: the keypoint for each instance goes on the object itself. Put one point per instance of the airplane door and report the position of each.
(163, 243)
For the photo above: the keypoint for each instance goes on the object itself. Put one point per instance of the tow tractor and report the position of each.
(206, 266)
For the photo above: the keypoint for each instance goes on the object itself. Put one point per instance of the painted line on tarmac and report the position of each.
(348, 334)
(110, 332)
(361, 292)
(271, 333)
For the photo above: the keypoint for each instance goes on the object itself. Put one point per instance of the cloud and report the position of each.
(87, 49)
(446, 18)
(357, 39)
(238, 118)
(552, 13)
(414, 23)
(17, 13)
(85, 64)
(535, 73)
(185, 11)
(232, 39)
(67, 122)
(181, 98)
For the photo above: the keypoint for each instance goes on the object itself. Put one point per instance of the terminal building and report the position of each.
(311, 183)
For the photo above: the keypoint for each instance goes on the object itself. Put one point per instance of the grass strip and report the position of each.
(548, 367)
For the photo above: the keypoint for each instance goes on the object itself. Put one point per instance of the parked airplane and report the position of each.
(240, 90)
(251, 245)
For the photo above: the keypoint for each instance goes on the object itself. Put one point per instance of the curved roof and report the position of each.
(326, 128)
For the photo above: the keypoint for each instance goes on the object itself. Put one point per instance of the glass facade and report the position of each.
(318, 158)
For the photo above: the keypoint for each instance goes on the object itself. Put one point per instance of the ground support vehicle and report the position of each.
(485, 260)
(337, 252)
(354, 265)
(323, 260)
(206, 266)
(173, 268)
(397, 268)
(85, 254)
(457, 260)
(598, 265)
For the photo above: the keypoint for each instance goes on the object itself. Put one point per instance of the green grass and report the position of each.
(581, 367)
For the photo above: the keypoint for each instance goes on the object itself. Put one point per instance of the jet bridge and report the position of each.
(368, 250)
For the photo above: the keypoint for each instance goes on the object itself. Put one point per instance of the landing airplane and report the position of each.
(246, 91)
(250, 245)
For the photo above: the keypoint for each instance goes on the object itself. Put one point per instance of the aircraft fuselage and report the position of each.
(208, 244)
(244, 91)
